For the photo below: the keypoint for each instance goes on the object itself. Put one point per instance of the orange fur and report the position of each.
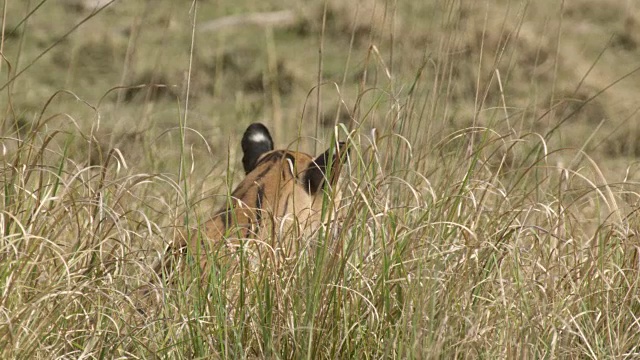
(282, 194)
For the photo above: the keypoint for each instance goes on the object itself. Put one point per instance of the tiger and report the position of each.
(283, 192)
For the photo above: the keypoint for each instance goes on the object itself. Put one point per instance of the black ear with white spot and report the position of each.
(316, 173)
(255, 142)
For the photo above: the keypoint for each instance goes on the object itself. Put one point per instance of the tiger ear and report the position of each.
(255, 142)
(316, 173)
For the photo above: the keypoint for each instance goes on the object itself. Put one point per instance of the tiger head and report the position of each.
(284, 192)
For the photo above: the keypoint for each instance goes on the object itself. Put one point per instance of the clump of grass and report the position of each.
(455, 264)
(72, 247)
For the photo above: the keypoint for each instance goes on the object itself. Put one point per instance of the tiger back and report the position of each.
(280, 198)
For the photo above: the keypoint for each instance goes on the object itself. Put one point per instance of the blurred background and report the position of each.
(131, 71)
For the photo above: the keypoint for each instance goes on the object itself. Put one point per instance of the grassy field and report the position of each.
(492, 194)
